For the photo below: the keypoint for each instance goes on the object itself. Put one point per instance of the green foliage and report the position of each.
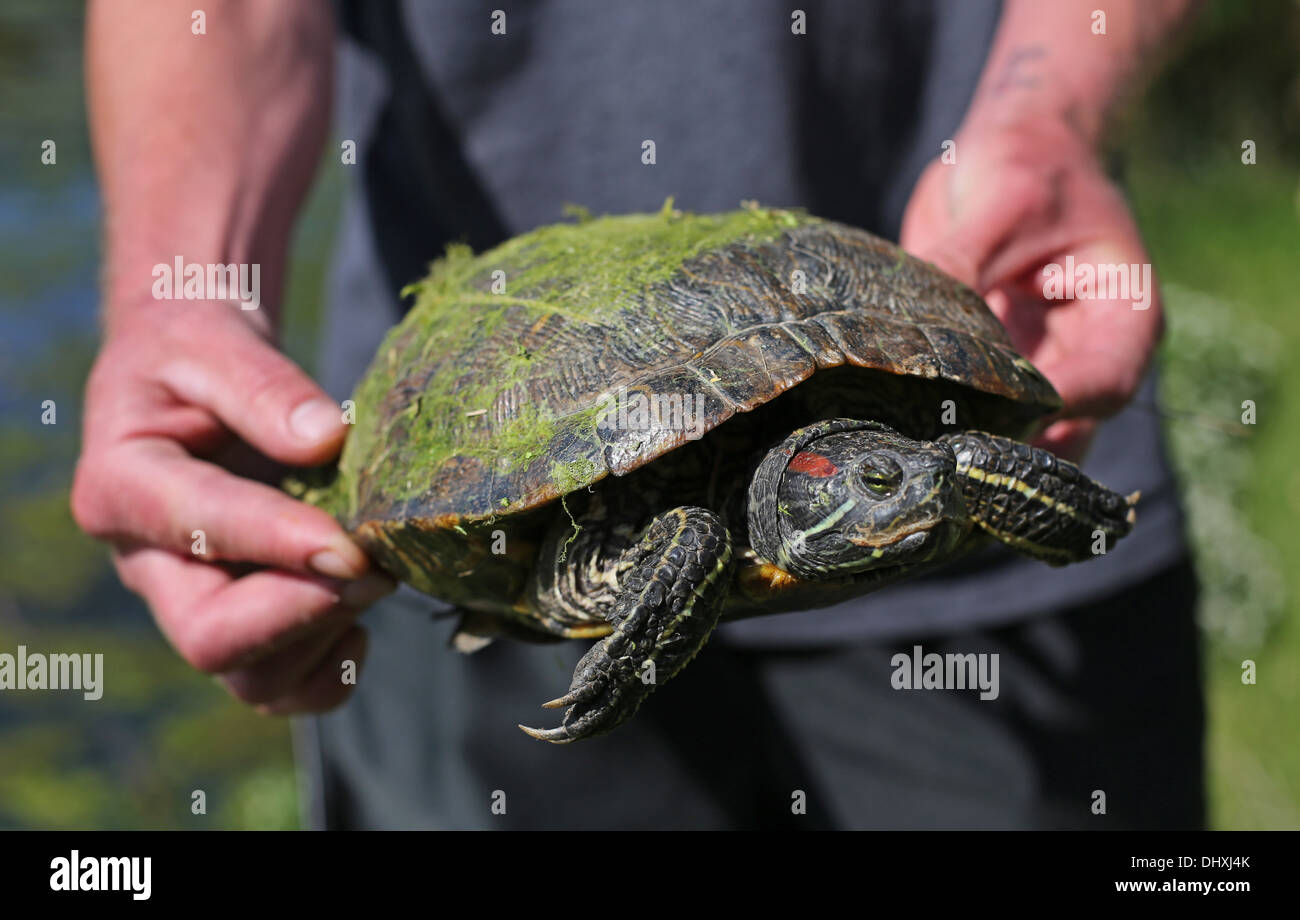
(1213, 362)
(40, 51)
(161, 730)
(1231, 232)
(133, 758)
(1223, 237)
(1236, 77)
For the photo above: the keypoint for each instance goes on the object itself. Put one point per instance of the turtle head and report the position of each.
(842, 497)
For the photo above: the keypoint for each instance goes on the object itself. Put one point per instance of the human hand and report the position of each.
(1023, 195)
(178, 406)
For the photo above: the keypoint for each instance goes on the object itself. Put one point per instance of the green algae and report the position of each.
(453, 380)
(587, 270)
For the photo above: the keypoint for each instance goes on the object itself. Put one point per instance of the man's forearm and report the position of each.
(1049, 59)
(205, 144)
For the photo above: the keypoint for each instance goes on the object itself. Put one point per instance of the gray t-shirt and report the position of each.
(467, 134)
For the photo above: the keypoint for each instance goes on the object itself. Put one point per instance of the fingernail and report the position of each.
(343, 559)
(316, 420)
(367, 590)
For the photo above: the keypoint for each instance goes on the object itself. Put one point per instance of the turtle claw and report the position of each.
(578, 693)
(672, 595)
(553, 735)
(605, 692)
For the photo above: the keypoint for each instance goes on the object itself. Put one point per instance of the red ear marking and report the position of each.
(813, 464)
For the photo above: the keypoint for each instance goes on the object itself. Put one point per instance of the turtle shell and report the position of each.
(486, 402)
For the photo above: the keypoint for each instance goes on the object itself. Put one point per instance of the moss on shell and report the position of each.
(451, 382)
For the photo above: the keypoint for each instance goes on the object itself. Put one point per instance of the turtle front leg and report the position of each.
(672, 584)
(1035, 502)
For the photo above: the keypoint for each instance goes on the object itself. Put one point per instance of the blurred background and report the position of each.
(1225, 238)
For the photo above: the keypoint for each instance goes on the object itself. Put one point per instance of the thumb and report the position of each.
(258, 393)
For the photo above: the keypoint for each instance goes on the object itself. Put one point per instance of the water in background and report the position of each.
(161, 732)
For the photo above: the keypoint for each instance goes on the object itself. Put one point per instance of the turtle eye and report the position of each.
(880, 476)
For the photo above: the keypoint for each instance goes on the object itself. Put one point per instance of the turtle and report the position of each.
(630, 428)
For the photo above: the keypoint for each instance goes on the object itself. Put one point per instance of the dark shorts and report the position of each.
(1099, 700)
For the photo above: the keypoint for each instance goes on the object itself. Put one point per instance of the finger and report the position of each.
(280, 672)
(1103, 221)
(150, 491)
(325, 688)
(256, 392)
(220, 623)
(988, 216)
(1094, 382)
(1095, 351)
(1091, 351)
(1069, 438)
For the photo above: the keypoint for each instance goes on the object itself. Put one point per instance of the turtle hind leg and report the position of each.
(1035, 502)
(672, 585)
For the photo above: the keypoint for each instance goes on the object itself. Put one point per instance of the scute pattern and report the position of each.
(729, 326)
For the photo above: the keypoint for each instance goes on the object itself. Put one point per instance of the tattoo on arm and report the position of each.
(1021, 70)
